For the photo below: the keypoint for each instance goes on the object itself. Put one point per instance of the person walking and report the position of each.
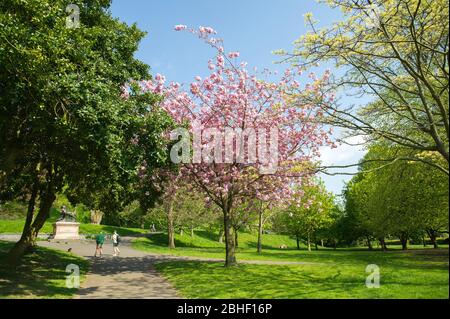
(116, 241)
(99, 240)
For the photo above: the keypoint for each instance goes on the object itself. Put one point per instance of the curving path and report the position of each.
(129, 276)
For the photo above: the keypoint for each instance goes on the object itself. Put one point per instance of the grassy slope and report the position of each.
(16, 227)
(12, 219)
(412, 274)
(205, 244)
(41, 275)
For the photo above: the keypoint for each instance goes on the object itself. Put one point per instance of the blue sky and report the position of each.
(253, 27)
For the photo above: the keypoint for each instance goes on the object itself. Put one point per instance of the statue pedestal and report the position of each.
(66, 230)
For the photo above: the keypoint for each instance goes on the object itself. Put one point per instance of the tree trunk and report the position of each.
(383, 244)
(433, 236)
(192, 231)
(316, 246)
(369, 243)
(22, 245)
(170, 226)
(236, 242)
(309, 243)
(404, 241)
(31, 229)
(230, 244)
(297, 237)
(260, 232)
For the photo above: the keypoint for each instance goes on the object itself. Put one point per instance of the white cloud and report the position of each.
(346, 153)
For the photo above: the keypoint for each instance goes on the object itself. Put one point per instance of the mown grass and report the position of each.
(16, 227)
(341, 273)
(205, 244)
(12, 220)
(41, 274)
(402, 276)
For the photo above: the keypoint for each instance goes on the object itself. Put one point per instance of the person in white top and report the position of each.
(116, 241)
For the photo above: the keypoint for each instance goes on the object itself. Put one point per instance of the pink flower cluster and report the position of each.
(230, 97)
(180, 27)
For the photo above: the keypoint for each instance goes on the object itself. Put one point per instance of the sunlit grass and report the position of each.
(211, 280)
(16, 227)
(327, 273)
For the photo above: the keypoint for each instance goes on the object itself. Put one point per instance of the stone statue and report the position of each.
(66, 226)
(63, 213)
(66, 216)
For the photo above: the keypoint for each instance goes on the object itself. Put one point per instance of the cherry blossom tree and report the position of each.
(246, 138)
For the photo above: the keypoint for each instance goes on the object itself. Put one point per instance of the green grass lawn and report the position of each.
(400, 278)
(42, 274)
(417, 273)
(12, 219)
(16, 227)
(205, 244)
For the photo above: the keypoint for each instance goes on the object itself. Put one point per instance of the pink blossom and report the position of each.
(180, 27)
(206, 30)
(232, 97)
(194, 88)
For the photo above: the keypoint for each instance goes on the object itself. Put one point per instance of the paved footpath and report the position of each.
(131, 275)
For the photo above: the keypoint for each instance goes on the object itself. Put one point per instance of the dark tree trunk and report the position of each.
(230, 244)
(25, 241)
(433, 236)
(383, 244)
(297, 237)
(170, 226)
(31, 229)
(369, 242)
(260, 232)
(404, 241)
(236, 242)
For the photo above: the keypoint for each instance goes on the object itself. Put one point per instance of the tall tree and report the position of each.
(311, 211)
(395, 53)
(66, 114)
(400, 199)
(232, 114)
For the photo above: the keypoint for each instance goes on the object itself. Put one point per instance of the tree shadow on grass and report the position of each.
(209, 235)
(161, 240)
(41, 274)
(211, 280)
